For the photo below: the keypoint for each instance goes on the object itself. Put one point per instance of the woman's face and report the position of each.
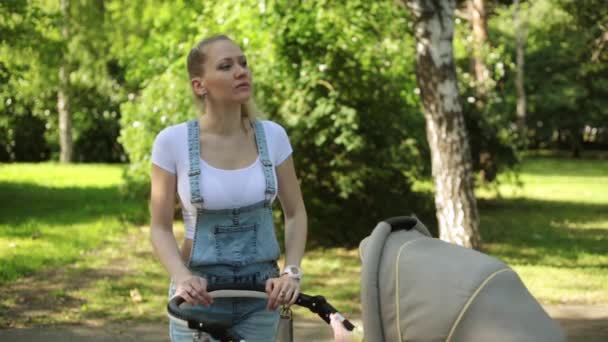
(226, 75)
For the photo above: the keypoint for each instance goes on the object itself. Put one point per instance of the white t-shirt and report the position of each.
(220, 189)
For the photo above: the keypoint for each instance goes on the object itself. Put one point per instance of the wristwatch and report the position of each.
(293, 272)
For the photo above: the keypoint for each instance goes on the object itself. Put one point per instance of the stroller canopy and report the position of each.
(418, 288)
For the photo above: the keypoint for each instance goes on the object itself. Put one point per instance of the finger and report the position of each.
(184, 294)
(193, 290)
(273, 302)
(269, 284)
(269, 288)
(294, 296)
(201, 289)
(194, 295)
(200, 297)
(285, 295)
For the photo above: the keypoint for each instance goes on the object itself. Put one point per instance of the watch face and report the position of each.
(294, 270)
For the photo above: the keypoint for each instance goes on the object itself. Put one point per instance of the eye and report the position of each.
(225, 66)
(244, 63)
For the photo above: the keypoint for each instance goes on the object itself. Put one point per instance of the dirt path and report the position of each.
(587, 323)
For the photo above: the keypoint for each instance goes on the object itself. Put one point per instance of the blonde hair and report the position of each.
(195, 64)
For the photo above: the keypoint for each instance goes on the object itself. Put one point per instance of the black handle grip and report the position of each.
(321, 307)
(401, 222)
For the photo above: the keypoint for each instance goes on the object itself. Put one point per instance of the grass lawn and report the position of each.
(553, 228)
(51, 214)
(68, 254)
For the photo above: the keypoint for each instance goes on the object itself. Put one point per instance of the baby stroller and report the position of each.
(417, 288)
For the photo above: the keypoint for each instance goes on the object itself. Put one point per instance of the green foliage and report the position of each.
(154, 52)
(489, 117)
(338, 75)
(341, 85)
(351, 111)
(30, 60)
(565, 85)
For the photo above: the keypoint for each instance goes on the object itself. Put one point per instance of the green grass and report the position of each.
(68, 254)
(50, 214)
(552, 228)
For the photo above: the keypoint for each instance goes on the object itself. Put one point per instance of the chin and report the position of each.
(242, 99)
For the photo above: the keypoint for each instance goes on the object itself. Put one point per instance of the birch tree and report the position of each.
(446, 133)
(63, 98)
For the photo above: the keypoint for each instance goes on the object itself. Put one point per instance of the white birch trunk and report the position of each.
(446, 133)
(63, 98)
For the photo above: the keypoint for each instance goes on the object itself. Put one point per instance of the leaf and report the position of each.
(135, 296)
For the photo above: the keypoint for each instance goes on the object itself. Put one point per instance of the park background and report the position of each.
(85, 86)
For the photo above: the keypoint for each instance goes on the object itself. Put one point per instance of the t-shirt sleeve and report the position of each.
(281, 147)
(162, 154)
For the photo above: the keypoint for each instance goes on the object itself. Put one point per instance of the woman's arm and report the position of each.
(285, 290)
(294, 210)
(162, 204)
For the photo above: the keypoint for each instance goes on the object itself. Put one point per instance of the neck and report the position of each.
(222, 120)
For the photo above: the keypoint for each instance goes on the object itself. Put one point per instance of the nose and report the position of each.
(240, 71)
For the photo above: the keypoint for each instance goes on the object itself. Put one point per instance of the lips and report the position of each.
(244, 85)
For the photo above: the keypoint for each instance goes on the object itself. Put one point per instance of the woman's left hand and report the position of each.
(282, 291)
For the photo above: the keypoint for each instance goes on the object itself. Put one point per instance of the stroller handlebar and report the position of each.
(320, 306)
(316, 304)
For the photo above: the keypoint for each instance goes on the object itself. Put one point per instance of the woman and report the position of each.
(227, 168)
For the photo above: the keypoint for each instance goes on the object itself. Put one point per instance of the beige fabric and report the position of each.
(424, 289)
(505, 311)
(371, 250)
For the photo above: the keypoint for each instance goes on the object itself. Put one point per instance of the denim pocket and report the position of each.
(235, 244)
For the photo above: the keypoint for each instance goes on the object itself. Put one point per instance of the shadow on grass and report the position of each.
(549, 233)
(23, 203)
(566, 167)
(48, 226)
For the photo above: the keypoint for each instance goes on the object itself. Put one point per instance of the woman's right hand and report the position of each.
(194, 290)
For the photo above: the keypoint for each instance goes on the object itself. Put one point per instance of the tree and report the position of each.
(520, 37)
(446, 133)
(63, 97)
(566, 72)
(58, 71)
(478, 18)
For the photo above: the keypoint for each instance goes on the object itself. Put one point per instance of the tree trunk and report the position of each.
(446, 133)
(479, 27)
(520, 37)
(63, 98)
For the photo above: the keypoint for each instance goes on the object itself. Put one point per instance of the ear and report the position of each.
(198, 85)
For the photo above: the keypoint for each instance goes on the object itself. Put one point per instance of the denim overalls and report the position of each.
(233, 246)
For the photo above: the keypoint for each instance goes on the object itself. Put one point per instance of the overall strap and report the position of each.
(260, 138)
(194, 171)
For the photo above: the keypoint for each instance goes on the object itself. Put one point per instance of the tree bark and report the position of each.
(520, 38)
(479, 27)
(446, 132)
(63, 98)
